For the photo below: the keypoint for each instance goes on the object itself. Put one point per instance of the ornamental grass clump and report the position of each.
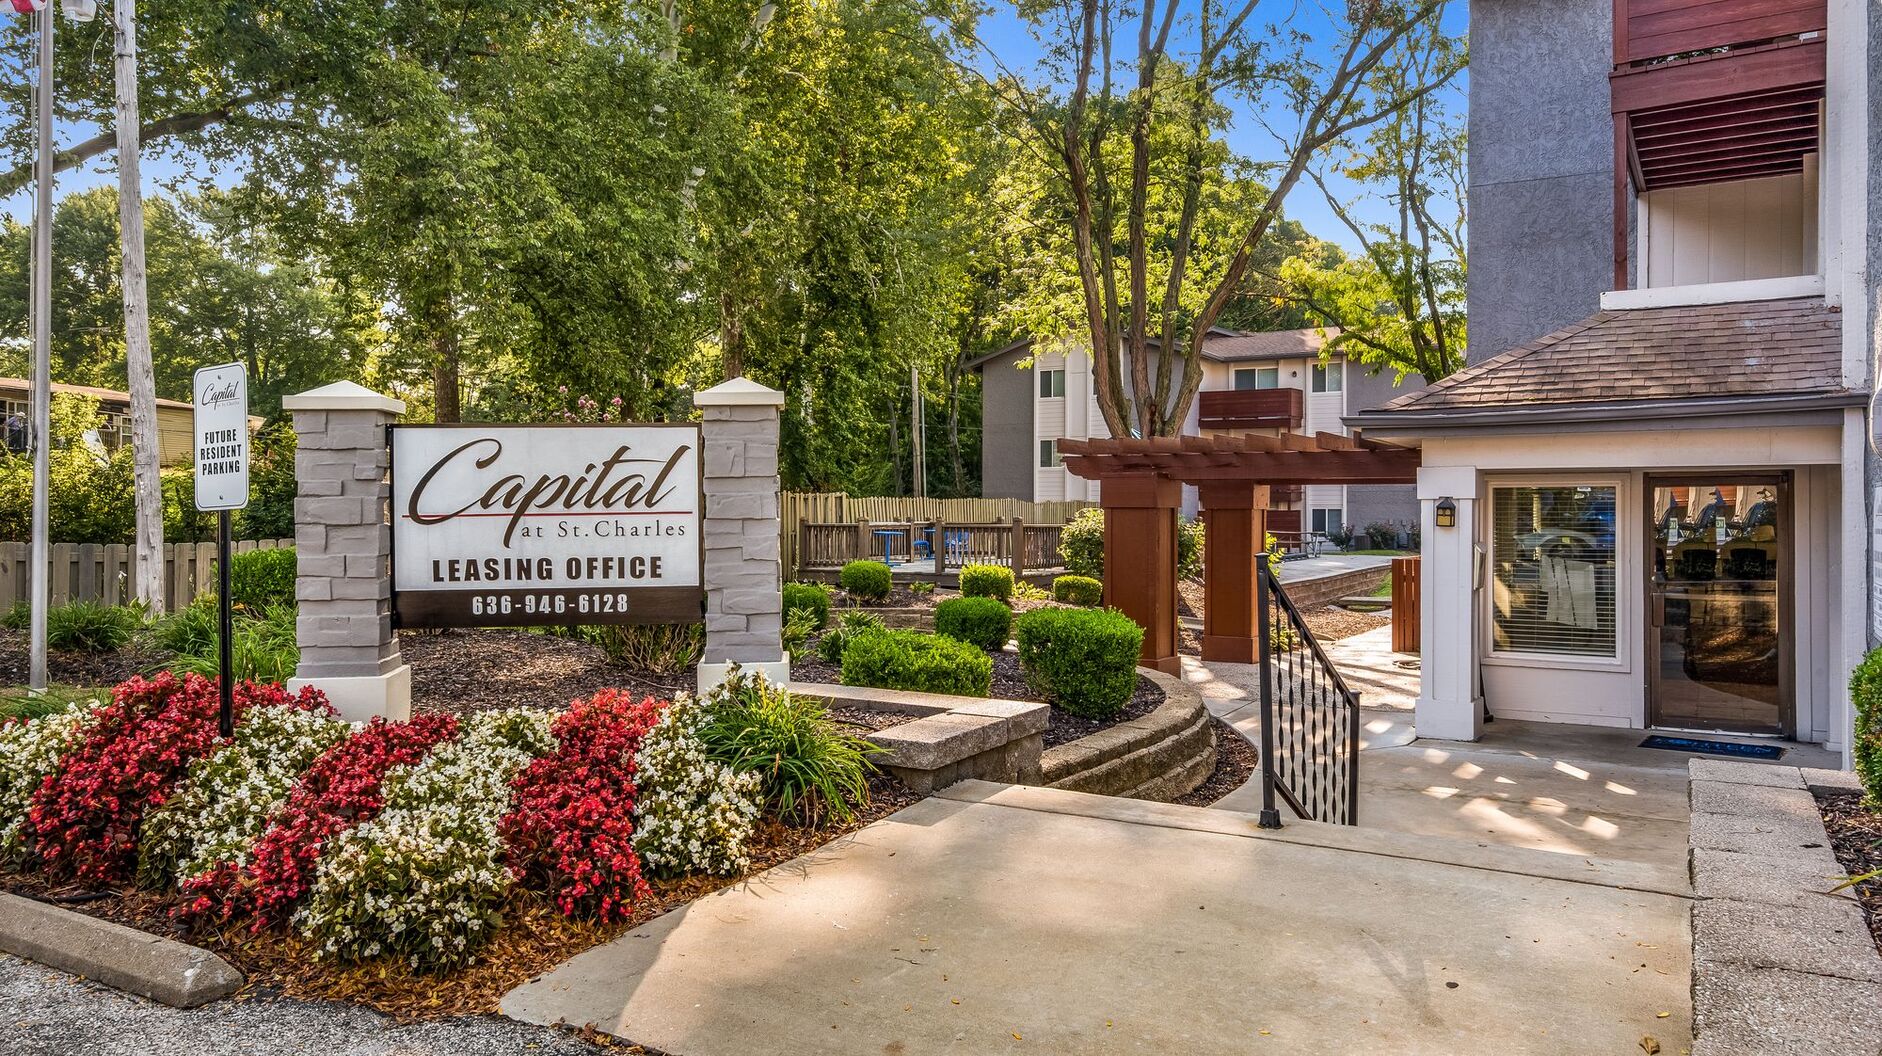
(982, 622)
(570, 829)
(922, 663)
(849, 625)
(30, 750)
(425, 880)
(343, 788)
(1083, 661)
(694, 814)
(89, 627)
(810, 770)
(84, 817)
(222, 807)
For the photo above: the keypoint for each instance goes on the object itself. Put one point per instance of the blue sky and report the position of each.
(1003, 33)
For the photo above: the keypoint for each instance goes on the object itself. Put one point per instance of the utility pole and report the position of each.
(147, 574)
(40, 552)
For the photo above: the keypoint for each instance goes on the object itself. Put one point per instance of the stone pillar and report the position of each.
(744, 572)
(1235, 533)
(1450, 702)
(1140, 560)
(343, 552)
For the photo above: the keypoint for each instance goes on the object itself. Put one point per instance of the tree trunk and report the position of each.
(147, 574)
(445, 382)
(731, 336)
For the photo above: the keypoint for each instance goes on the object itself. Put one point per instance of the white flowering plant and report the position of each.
(425, 880)
(225, 802)
(30, 750)
(692, 814)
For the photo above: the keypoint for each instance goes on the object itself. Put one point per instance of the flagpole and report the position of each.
(41, 550)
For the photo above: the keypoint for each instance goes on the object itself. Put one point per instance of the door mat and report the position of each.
(1705, 747)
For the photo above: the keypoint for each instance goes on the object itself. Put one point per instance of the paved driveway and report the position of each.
(993, 919)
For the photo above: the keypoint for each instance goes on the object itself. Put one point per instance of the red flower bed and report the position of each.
(570, 828)
(341, 789)
(84, 816)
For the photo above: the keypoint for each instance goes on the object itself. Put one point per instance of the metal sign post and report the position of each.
(221, 452)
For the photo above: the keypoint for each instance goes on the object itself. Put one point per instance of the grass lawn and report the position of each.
(1384, 590)
(21, 702)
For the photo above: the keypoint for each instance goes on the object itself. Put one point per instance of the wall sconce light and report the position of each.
(1447, 513)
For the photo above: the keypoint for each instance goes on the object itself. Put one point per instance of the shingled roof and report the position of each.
(1716, 351)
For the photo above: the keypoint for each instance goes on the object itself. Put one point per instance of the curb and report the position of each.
(163, 970)
(1781, 963)
(1159, 757)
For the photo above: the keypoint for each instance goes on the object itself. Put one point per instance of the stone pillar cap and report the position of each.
(342, 396)
(739, 392)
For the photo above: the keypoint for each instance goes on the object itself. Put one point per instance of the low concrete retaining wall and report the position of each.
(955, 738)
(1313, 593)
(1158, 757)
(1781, 964)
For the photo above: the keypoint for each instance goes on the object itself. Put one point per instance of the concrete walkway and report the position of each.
(1580, 790)
(992, 919)
(1300, 568)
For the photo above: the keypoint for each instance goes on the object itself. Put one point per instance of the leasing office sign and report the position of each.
(556, 524)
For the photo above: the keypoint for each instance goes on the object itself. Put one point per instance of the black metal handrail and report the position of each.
(1309, 718)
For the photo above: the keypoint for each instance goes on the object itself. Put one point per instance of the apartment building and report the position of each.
(1647, 501)
(1268, 382)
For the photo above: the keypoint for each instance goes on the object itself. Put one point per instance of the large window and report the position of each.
(1552, 574)
(1257, 378)
(1327, 520)
(1329, 377)
(1051, 383)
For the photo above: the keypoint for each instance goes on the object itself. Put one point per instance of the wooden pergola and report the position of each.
(1141, 490)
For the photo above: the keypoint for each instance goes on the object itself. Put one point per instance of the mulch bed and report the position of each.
(1856, 836)
(1009, 683)
(467, 670)
(71, 667)
(1235, 762)
(533, 938)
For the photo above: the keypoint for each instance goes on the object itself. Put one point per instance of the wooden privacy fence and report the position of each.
(827, 509)
(1023, 547)
(102, 571)
(1405, 607)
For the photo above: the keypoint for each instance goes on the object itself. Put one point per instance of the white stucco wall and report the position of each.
(1612, 691)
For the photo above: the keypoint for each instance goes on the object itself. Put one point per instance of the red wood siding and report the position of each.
(1251, 409)
(1651, 29)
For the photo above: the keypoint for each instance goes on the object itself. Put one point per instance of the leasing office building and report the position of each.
(1654, 468)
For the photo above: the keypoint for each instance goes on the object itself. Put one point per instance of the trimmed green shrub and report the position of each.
(848, 625)
(987, 581)
(260, 578)
(811, 597)
(924, 663)
(1082, 660)
(88, 627)
(985, 622)
(1865, 693)
(1077, 590)
(1081, 545)
(868, 580)
(811, 769)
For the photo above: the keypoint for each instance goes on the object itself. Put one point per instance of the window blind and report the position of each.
(1553, 569)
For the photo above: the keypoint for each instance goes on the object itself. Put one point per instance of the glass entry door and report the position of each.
(1718, 648)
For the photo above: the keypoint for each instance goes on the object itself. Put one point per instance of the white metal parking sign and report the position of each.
(222, 437)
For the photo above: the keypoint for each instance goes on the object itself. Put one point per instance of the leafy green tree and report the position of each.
(1400, 302)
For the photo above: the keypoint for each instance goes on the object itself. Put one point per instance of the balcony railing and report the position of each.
(1251, 409)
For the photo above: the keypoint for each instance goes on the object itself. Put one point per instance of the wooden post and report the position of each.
(1019, 548)
(861, 549)
(940, 548)
(1234, 517)
(1140, 560)
(803, 549)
